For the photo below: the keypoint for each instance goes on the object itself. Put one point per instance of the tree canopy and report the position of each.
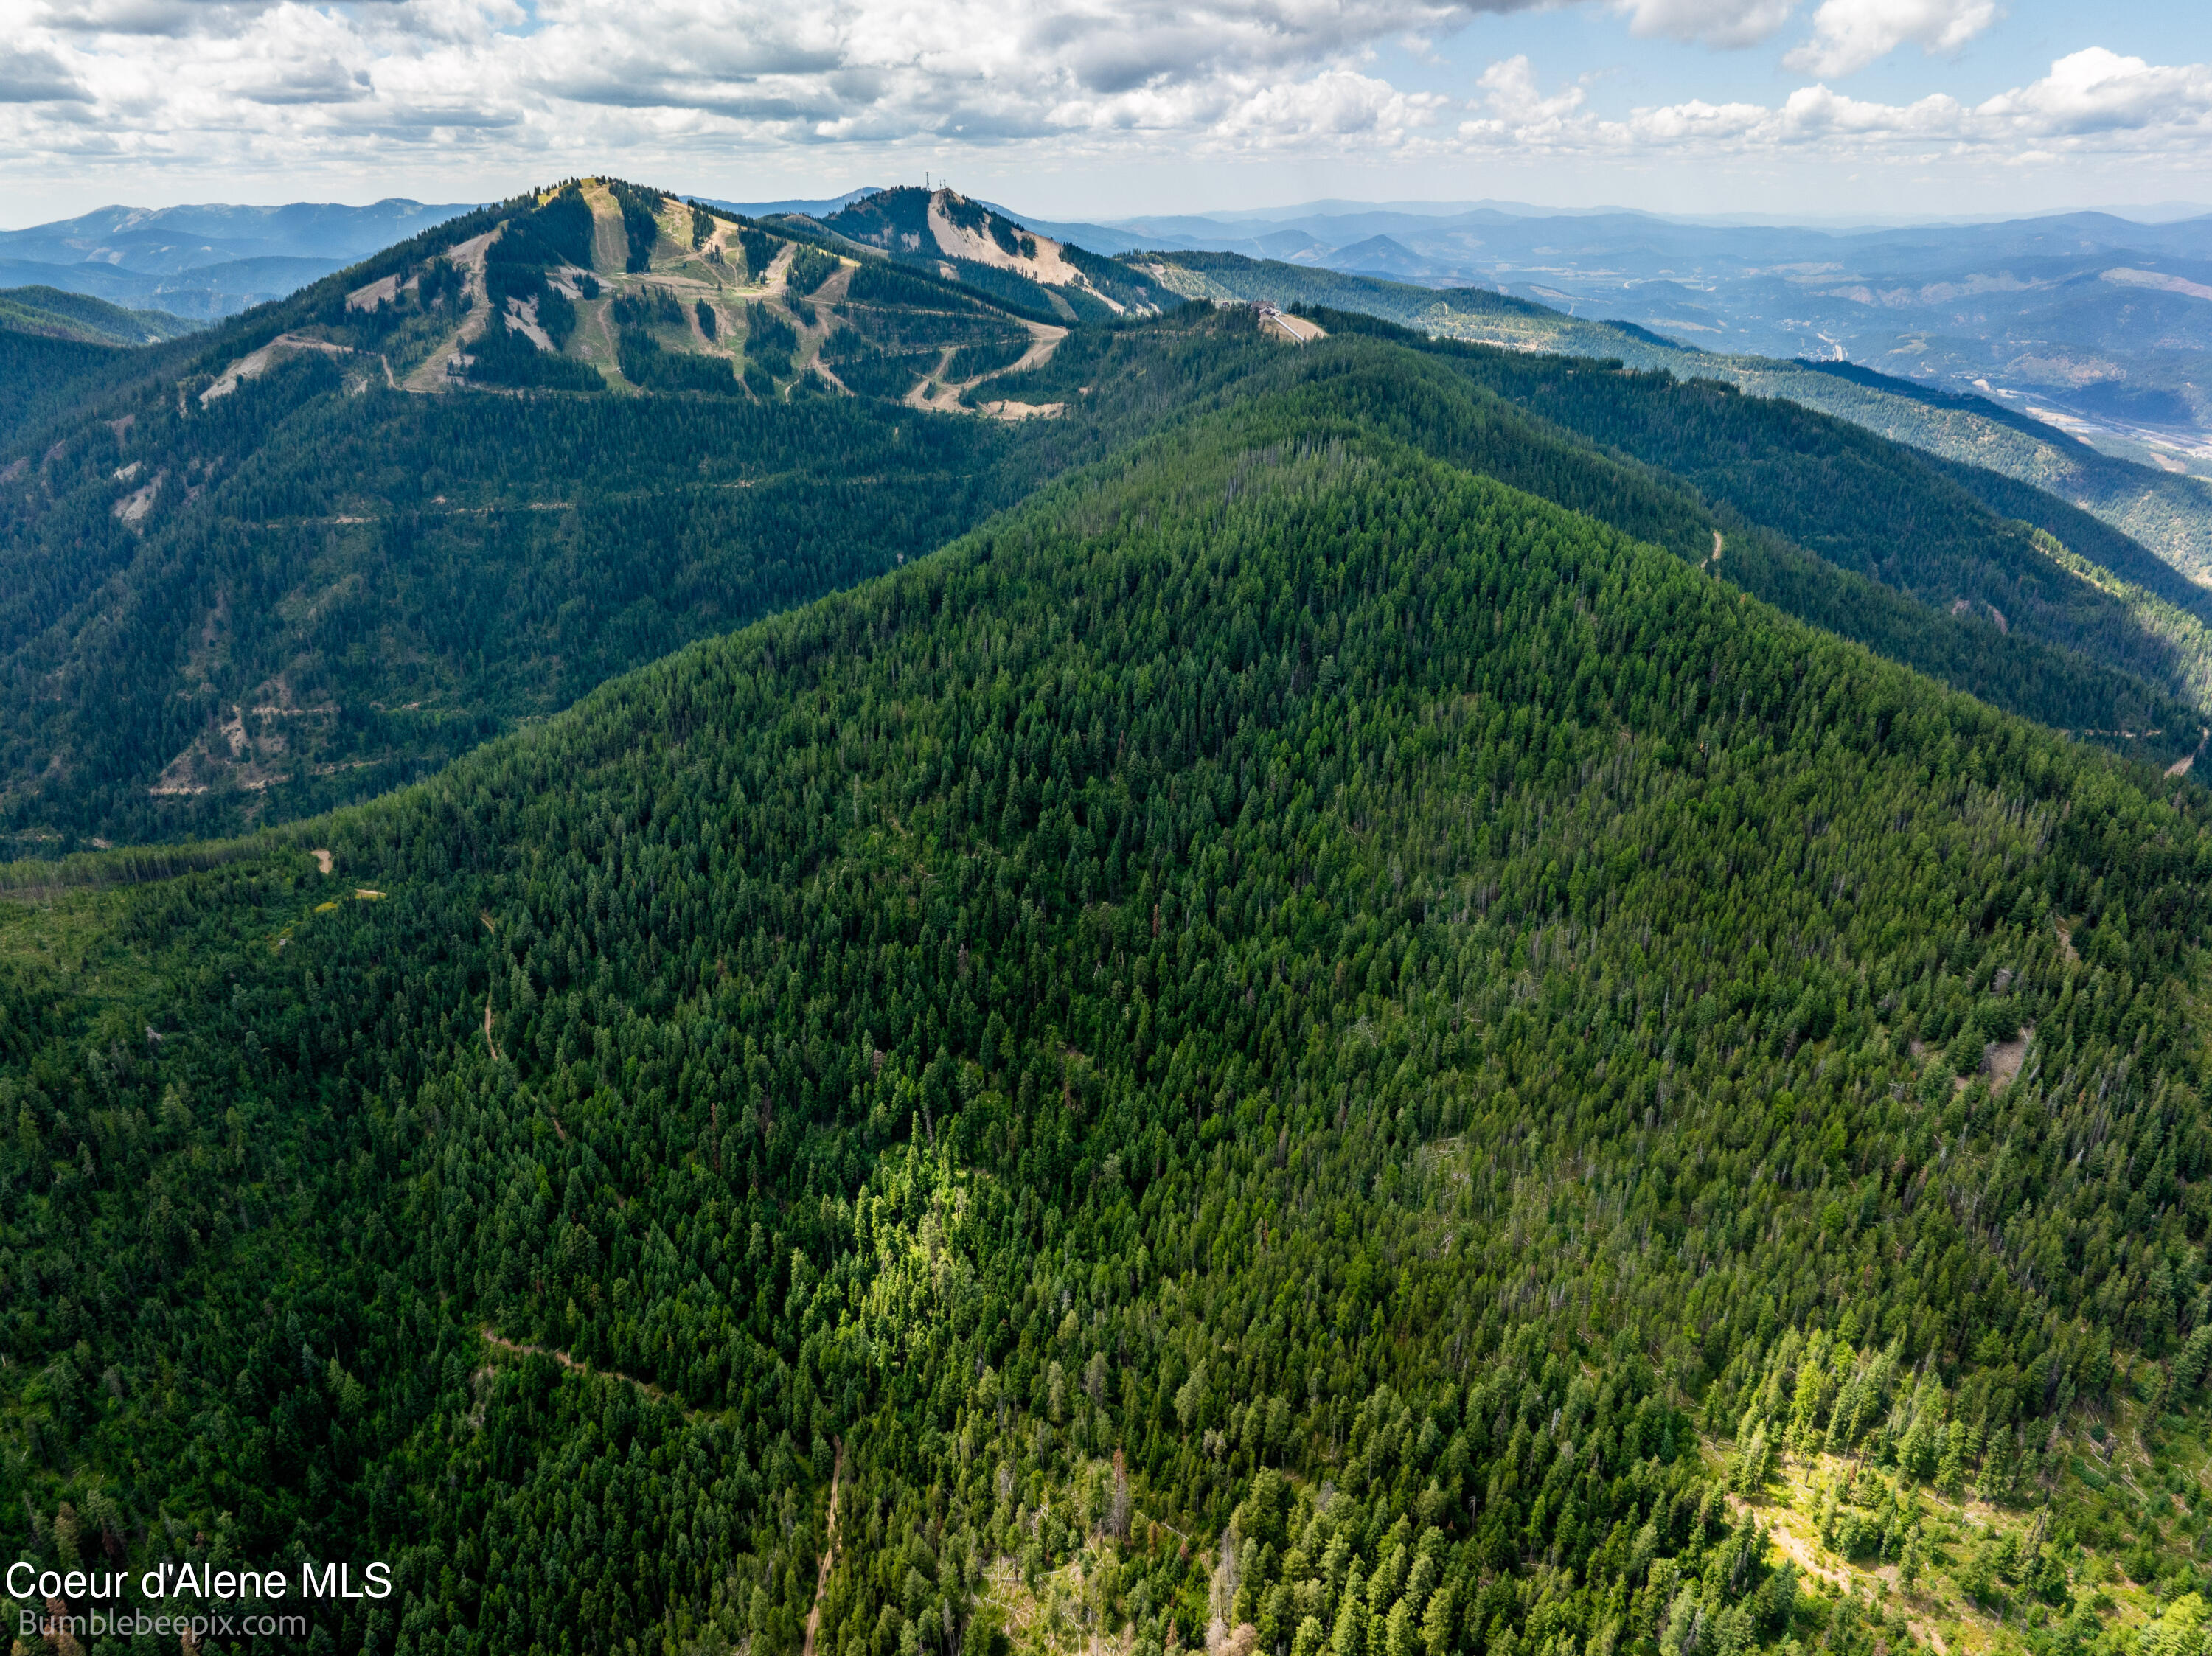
(1287, 1035)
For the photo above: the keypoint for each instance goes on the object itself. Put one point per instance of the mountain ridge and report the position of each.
(208, 260)
(839, 405)
(59, 315)
(1148, 1041)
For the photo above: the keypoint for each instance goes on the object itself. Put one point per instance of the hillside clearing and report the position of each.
(254, 364)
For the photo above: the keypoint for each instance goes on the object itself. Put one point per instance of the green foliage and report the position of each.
(759, 251)
(502, 355)
(441, 285)
(896, 220)
(41, 373)
(1233, 275)
(556, 315)
(770, 341)
(885, 284)
(1284, 991)
(278, 514)
(647, 307)
(971, 215)
(889, 374)
(643, 359)
(2168, 512)
(1009, 290)
(49, 311)
(1135, 290)
(640, 215)
(809, 269)
(142, 684)
(558, 233)
(646, 364)
(970, 361)
(2063, 679)
(1868, 506)
(575, 539)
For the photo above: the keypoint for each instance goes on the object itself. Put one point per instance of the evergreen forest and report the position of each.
(1377, 998)
(225, 611)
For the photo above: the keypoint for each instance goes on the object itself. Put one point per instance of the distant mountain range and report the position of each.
(2099, 323)
(2095, 322)
(206, 261)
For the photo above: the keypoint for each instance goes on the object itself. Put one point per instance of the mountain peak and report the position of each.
(597, 284)
(921, 224)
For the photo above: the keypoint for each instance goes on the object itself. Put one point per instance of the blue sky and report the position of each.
(1102, 108)
(2018, 47)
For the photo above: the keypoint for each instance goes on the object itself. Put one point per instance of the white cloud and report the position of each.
(2093, 102)
(1336, 106)
(1715, 22)
(1509, 89)
(223, 90)
(218, 85)
(148, 17)
(1848, 34)
(1814, 114)
(2100, 92)
(37, 77)
(1696, 122)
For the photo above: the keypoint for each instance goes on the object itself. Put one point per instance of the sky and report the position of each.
(1098, 109)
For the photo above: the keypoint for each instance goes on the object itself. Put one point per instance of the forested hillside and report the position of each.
(941, 231)
(58, 315)
(2167, 512)
(41, 372)
(246, 607)
(1290, 1045)
(293, 561)
(1875, 541)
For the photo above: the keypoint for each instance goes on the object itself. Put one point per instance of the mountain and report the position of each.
(1943, 566)
(206, 261)
(354, 551)
(2163, 507)
(2100, 321)
(1375, 256)
(164, 241)
(60, 315)
(204, 292)
(2091, 318)
(319, 551)
(1287, 1044)
(817, 208)
(943, 230)
(55, 347)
